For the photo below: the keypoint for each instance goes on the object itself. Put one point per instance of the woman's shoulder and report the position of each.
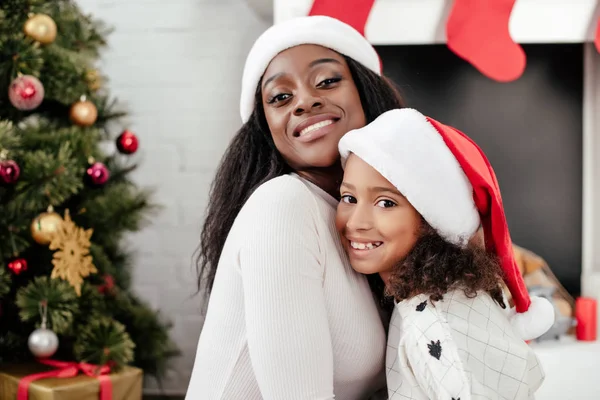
(280, 193)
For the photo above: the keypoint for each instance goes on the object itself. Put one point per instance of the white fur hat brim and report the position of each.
(319, 30)
(408, 151)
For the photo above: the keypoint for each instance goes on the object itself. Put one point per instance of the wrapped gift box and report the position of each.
(126, 384)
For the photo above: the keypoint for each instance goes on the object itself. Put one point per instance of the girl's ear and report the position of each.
(477, 239)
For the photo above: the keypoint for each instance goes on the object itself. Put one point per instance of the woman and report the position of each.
(288, 318)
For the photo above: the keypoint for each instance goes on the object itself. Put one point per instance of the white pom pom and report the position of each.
(535, 321)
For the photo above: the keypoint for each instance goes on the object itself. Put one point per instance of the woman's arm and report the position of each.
(286, 318)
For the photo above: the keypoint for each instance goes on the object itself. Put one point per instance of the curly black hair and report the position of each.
(435, 266)
(252, 159)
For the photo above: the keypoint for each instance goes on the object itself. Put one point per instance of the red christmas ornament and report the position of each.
(477, 31)
(108, 286)
(26, 92)
(9, 172)
(97, 173)
(127, 142)
(18, 265)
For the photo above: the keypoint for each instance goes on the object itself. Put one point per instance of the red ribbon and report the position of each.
(66, 369)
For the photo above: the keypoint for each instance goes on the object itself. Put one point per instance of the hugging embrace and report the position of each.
(337, 245)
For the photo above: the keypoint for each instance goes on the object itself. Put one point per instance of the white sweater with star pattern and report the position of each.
(458, 348)
(288, 318)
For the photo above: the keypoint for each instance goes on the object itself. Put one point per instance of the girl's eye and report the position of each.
(278, 98)
(386, 204)
(348, 199)
(329, 81)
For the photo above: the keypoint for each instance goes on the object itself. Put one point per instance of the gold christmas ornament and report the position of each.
(72, 260)
(93, 79)
(83, 112)
(41, 28)
(45, 225)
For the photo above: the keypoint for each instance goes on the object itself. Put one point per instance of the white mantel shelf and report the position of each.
(572, 369)
(423, 21)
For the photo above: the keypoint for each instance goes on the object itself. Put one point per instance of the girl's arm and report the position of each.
(431, 353)
(440, 379)
(286, 318)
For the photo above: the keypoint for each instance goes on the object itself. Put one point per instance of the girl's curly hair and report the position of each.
(435, 266)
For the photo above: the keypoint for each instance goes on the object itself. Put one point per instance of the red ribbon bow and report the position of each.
(66, 369)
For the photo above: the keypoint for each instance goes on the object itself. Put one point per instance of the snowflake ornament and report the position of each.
(72, 260)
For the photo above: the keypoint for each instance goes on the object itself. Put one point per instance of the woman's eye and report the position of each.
(386, 203)
(279, 97)
(348, 199)
(329, 81)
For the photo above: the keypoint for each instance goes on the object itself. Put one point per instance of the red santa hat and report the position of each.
(317, 29)
(450, 182)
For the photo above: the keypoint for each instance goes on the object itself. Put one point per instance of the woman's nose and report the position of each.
(306, 101)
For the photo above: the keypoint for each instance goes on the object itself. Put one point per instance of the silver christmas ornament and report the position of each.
(43, 342)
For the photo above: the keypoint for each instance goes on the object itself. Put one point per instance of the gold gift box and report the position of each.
(126, 384)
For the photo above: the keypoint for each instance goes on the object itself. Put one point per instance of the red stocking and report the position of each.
(597, 40)
(353, 12)
(477, 31)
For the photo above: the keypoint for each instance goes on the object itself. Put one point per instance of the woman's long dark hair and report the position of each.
(435, 266)
(252, 159)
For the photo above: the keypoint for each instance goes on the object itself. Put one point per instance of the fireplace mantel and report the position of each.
(393, 22)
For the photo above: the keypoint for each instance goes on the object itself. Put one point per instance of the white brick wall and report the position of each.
(177, 66)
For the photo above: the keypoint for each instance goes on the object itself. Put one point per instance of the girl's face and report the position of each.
(310, 101)
(377, 224)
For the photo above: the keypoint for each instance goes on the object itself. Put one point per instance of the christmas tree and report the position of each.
(66, 202)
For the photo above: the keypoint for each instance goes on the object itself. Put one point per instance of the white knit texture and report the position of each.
(409, 152)
(288, 318)
(320, 30)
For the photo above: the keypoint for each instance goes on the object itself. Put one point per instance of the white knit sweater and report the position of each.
(288, 318)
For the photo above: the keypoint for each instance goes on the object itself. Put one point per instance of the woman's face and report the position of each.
(377, 224)
(310, 102)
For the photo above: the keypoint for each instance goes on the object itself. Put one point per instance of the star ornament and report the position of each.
(72, 260)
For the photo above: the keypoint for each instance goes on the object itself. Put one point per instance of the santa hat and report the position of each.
(320, 30)
(450, 182)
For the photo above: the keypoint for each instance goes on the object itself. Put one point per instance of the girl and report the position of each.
(414, 193)
(288, 318)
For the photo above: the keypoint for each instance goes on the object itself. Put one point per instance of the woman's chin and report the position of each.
(325, 159)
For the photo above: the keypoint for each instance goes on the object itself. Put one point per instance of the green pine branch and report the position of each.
(13, 347)
(153, 348)
(104, 341)
(113, 263)
(5, 281)
(59, 297)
